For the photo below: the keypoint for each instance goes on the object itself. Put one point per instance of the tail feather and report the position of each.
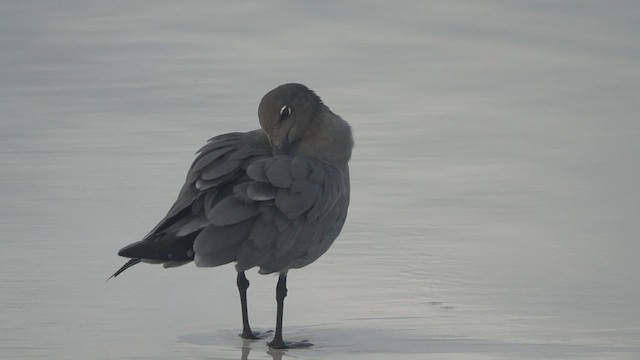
(124, 267)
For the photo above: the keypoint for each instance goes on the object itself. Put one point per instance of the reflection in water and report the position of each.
(246, 349)
(276, 354)
(227, 342)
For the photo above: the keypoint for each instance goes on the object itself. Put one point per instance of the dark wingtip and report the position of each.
(134, 251)
(124, 267)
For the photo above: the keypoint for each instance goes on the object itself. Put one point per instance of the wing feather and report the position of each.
(219, 166)
(260, 191)
(293, 204)
(220, 237)
(231, 210)
(278, 173)
(286, 190)
(207, 158)
(242, 204)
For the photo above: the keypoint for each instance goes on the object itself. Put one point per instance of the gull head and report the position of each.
(287, 115)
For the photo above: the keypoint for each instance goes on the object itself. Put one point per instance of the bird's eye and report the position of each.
(285, 111)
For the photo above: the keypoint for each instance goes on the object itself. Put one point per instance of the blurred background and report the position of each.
(494, 211)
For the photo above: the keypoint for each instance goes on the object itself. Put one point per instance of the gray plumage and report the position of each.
(274, 198)
(242, 203)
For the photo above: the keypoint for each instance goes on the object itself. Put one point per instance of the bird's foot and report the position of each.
(255, 335)
(280, 344)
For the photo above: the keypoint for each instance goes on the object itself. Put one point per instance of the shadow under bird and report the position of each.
(275, 198)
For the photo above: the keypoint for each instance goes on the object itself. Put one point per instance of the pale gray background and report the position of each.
(495, 205)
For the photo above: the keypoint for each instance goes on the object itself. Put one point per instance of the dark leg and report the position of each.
(243, 284)
(281, 293)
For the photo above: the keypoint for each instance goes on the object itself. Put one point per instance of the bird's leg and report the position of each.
(243, 284)
(281, 293)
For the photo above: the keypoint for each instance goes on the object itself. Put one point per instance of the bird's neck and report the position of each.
(328, 138)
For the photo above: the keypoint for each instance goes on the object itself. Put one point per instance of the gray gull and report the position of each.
(274, 198)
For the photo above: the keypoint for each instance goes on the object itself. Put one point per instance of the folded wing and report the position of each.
(220, 165)
(285, 215)
(239, 203)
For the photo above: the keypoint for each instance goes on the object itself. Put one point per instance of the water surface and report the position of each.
(495, 207)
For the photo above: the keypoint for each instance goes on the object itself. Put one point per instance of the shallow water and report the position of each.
(494, 210)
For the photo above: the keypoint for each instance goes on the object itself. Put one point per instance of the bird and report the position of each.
(274, 198)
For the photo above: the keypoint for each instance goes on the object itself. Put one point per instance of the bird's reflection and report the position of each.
(276, 354)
